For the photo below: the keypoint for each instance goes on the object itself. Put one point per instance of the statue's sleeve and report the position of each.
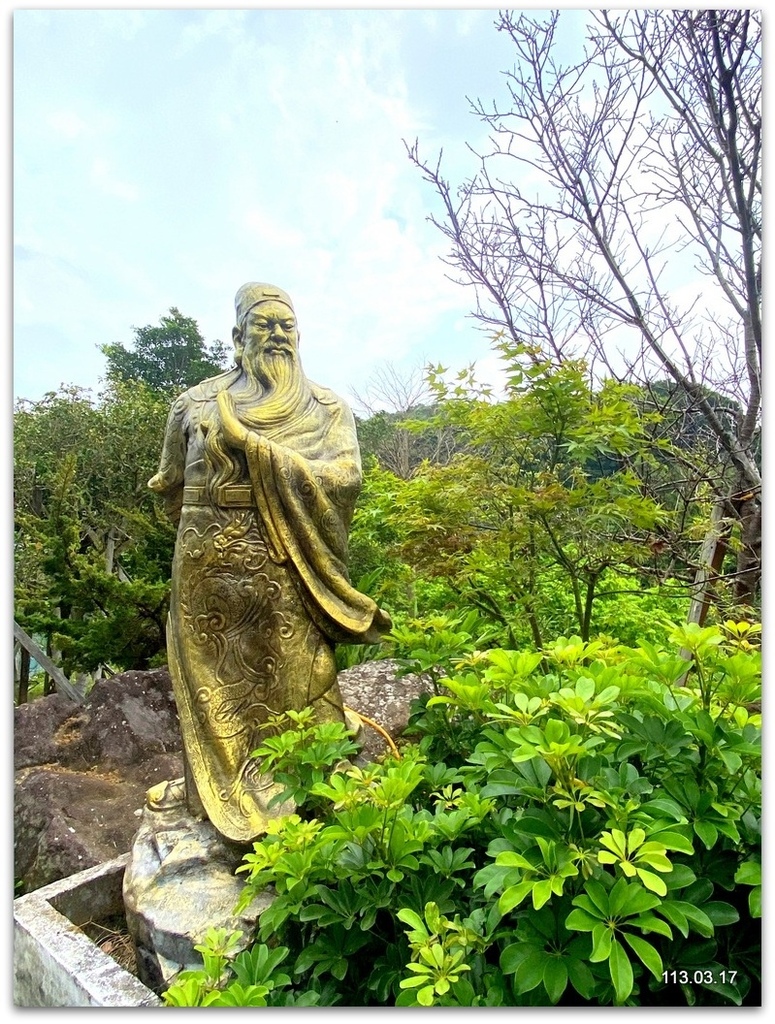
(168, 481)
(307, 505)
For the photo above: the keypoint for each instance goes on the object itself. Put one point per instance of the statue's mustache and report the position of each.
(274, 348)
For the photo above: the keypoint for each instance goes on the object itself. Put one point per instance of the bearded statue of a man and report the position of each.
(260, 468)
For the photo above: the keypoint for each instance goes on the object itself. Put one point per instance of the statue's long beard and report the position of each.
(276, 392)
(274, 370)
(280, 390)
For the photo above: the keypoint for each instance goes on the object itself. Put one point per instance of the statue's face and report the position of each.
(269, 327)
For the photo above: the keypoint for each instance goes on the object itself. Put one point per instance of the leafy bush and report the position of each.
(574, 826)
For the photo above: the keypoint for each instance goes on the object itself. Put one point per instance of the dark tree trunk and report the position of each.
(24, 674)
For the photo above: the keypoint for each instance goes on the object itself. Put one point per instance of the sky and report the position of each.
(165, 157)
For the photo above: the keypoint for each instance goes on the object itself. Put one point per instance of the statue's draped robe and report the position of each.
(260, 589)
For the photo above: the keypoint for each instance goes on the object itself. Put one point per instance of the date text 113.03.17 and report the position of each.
(699, 976)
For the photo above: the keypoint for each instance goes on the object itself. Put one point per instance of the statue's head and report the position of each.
(250, 294)
(265, 335)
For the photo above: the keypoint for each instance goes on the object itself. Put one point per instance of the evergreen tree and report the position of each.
(170, 357)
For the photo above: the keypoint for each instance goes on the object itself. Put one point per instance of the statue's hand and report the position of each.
(156, 483)
(235, 433)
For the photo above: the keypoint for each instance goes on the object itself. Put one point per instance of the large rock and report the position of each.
(125, 720)
(83, 770)
(65, 821)
(375, 690)
(36, 726)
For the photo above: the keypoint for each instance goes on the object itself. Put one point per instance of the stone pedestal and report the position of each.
(179, 882)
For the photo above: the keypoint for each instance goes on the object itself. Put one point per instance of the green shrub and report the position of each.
(575, 826)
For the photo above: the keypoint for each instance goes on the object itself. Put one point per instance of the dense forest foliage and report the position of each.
(561, 506)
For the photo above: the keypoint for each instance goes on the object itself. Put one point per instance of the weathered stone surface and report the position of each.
(179, 882)
(376, 691)
(65, 821)
(83, 770)
(54, 962)
(126, 720)
(35, 729)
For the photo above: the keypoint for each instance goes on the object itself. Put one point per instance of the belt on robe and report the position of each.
(227, 495)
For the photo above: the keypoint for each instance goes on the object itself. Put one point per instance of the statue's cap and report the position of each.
(249, 295)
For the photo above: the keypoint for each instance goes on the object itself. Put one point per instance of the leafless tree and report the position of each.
(396, 396)
(617, 214)
(393, 390)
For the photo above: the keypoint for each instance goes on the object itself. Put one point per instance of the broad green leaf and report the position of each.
(621, 971)
(618, 897)
(418, 979)
(580, 921)
(675, 916)
(664, 806)
(656, 860)
(601, 943)
(651, 923)
(585, 688)
(673, 841)
(679, 911)
(338, 968)
(708, 833)
(698, 891)
(433, 955)
(635, 839)
(729, 992)
(636, 899)
(721, 914)
(513, 896)
(425, 996)
(749, 873)
(513, 955)
(555, 978)
(413, 919)
(755, 902)
(532, 825)
(731, 760)
(510, 859)
(542, 893)
(581, 978)
(729, 829)
(680, 877)
(652, 882)
(646, 954)
(597, 894)
(531, 973)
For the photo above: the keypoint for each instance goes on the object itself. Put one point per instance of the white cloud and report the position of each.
(270, 231)
(272, 151)
(67, 124)
(104, 178)
(209, 24)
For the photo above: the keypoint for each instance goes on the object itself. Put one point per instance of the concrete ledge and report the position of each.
(55, 963)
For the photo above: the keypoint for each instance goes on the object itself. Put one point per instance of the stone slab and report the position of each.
(55, 963)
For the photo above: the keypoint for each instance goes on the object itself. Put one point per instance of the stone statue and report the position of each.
(260, 468)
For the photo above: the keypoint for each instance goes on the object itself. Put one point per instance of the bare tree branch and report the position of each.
(609, 185)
